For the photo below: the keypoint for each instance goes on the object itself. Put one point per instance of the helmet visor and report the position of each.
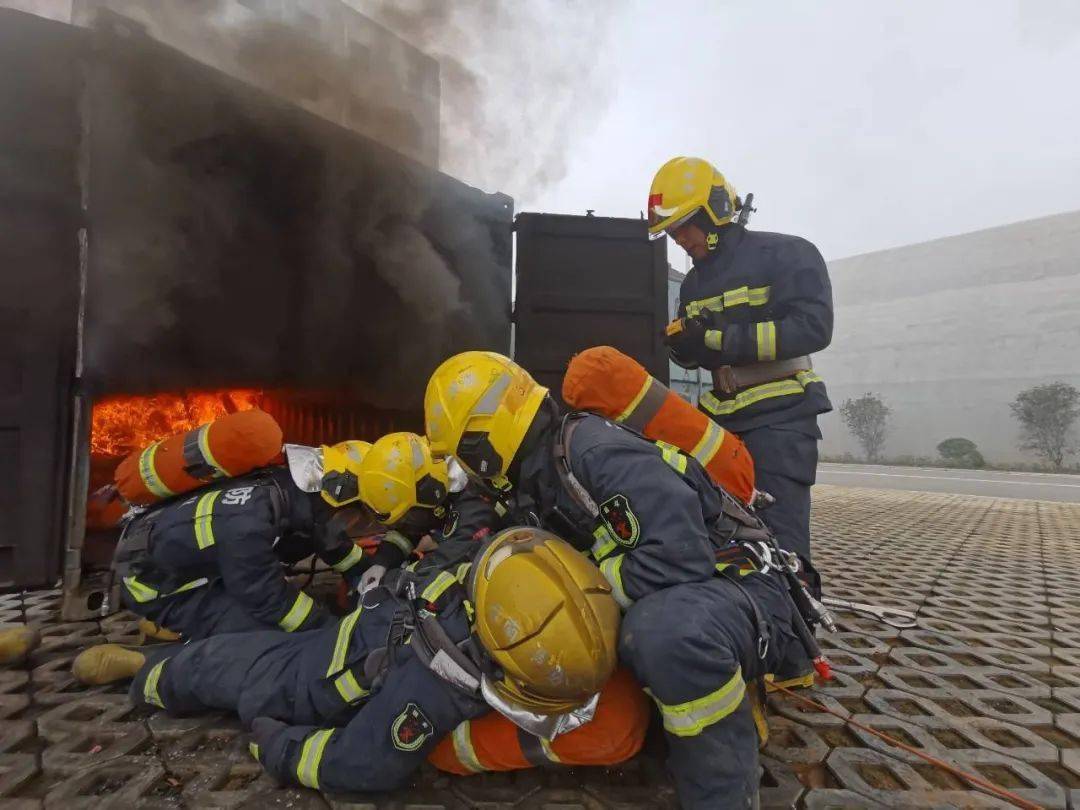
(656, 219)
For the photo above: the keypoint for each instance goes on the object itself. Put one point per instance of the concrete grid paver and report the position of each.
(989, 680)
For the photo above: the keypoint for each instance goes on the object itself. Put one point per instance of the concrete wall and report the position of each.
(949, 331)
(319, 54)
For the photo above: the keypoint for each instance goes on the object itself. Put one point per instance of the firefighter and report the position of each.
(212, 561)
(529, 629)
(752, 310)
(395, 480)
(695, 633)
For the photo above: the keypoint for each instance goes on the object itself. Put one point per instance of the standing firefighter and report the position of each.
(695, 631)
(210, 561)
(752, 310)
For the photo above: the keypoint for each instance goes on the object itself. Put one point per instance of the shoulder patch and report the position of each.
(621, 520)
(410, 729)
(451, 524)
(237, 497)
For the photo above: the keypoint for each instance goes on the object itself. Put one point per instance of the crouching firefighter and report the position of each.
(699, 628)
(520, 623)
(213, 560)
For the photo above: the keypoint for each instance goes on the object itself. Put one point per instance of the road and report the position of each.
(1035, 486)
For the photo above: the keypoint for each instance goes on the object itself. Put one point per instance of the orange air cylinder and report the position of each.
(232, 445)
(607, 382)
(493, 743)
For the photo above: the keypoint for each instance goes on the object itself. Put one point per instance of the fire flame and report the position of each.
(122, 424)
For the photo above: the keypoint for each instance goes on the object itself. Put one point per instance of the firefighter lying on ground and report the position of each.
(357, 706)
(753, 309)
(695, 633)
(491, 742)
(316, 664)
(210, 561)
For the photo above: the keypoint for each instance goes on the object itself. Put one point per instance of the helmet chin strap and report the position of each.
(702, 221)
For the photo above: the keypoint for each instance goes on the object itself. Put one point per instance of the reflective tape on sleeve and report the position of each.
(714, 304)
(399, 540)
(307, 769)
(299, 611)
(349, 688)
(611, 568)
(714, 339)
(691, 718)
(149, 474)
(204, 519)
(672, 456)
(150, 685)
(354, 555)
(341, 645)
(755, 297)
(603, 543)
(463, 748)
(766, 341)
(139, 592)
(437, 587)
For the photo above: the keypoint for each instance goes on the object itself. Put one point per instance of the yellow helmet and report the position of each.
(399, 474)
(546, 616)
(682, 187)
(478, 407)
(341, 471)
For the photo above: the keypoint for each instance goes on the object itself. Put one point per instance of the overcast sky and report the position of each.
(859, 125)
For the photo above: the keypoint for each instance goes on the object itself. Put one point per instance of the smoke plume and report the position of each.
(522, 82)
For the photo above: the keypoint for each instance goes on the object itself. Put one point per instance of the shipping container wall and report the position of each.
(587, 281)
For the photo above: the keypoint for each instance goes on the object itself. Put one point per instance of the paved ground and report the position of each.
(1029, 486)
(990, 680)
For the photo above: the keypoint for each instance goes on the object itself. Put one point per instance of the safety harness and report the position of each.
(742, 541)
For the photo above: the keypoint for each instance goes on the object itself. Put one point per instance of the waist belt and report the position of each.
(730, 379)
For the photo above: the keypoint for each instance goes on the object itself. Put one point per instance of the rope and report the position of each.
(970, 778)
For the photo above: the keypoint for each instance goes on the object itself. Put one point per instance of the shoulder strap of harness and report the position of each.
(438, 652)
(569, 481)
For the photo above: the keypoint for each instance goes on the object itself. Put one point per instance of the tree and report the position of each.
(961, 453)
(868, 419)
(1046, 414)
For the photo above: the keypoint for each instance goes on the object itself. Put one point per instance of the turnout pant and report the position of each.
(268, 673)
(785, 466)
(284, 676)
(695, 648)
(199, 613)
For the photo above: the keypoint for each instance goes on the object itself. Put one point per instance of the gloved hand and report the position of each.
(686, 335)
(371, 578)
(685, 338)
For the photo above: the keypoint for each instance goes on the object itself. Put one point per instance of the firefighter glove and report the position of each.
(685, 338)
(371, 578)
